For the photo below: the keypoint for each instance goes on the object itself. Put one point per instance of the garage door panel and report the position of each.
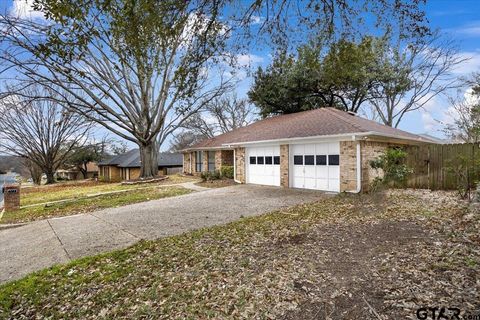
(260, 172)
(310, 183)
(317, 167)
(322, 172)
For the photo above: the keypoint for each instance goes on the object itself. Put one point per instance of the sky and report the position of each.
(458, 19)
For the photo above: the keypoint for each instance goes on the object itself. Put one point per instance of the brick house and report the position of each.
(72, 173)
(323, 149)
(126, 166)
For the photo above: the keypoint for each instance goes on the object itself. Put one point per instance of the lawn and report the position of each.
(346, 257)
(91, 204)
(68, 190)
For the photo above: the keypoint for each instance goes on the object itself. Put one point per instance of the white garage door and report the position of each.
(316, 166)
(263, 165)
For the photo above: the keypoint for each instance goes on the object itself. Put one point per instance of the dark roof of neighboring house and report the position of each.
(312, 123)
(131, 159)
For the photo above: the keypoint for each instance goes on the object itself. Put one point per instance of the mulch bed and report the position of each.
(144, 181)
(216, 183)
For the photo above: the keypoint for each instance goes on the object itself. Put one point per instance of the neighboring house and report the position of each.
(74, 174)
(126, 166)
(435, 139)
(324, 149)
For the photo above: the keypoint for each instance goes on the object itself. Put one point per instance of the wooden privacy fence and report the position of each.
(430, 164)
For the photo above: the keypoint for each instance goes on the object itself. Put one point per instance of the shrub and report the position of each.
(464, 169)
(209, 176)
(395, 171)
(227, 172)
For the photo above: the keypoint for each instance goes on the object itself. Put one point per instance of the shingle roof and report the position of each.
(131, 159)
(312, 123)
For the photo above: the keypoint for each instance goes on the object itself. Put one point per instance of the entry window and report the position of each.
(298, 160)
(260, 160)
(253, 160)
(211, 161)
(276, 160)
(321, 160)
(333, 160)
(309, 160)
(268, 160)
(198, 161)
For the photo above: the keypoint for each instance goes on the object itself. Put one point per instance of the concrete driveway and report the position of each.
(42, 244)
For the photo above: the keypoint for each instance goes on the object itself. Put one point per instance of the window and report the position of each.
(253, 160)
(276, 160)
(198, 161)
(298, 160)
(321, 160)
(333, 160)
(309, 160)
(211, 161)
(260, 160)
(268, 160)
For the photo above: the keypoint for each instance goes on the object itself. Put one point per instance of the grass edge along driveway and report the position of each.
(89, 204)
(343, 256)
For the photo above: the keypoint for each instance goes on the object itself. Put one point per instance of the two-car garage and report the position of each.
(311, 166)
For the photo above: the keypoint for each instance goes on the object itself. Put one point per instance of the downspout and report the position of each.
(359, 169)
(235, 167)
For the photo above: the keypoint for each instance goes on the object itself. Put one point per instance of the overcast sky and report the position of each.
(459, 19)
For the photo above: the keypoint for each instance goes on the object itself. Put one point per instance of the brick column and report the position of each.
(11, 197)
(218, 159)
(205, 161)
(240, 164)
(284, 166)
(348, 166)
(187, 168)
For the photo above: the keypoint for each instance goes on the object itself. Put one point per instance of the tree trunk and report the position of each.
(84, 170)
(149, 160)
(50, 176)
(35, 173)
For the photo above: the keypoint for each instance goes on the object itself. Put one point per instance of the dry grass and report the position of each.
(348, 257)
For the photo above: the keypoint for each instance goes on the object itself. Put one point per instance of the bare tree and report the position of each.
(34, 170)
(39, 130)
(465, 113)
(413, 75)
(183, 140)
(221, 115)
(138, 68)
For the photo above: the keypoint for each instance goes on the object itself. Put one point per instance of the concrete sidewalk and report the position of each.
(41, 244)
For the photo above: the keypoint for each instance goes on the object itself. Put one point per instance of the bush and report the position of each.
(464, 169)
(209, 176)
(395, 172)
(227, 172)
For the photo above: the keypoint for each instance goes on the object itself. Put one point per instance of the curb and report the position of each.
(11, 225)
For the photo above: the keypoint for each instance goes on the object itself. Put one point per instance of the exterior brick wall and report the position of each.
(227, 157)
(218, 159)
(11, 197)
(187, 160)
(371, 150)
(240, 164)
(134, 173)
(348, 166)
(205, 160)
(115, 174)
(284, 166)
